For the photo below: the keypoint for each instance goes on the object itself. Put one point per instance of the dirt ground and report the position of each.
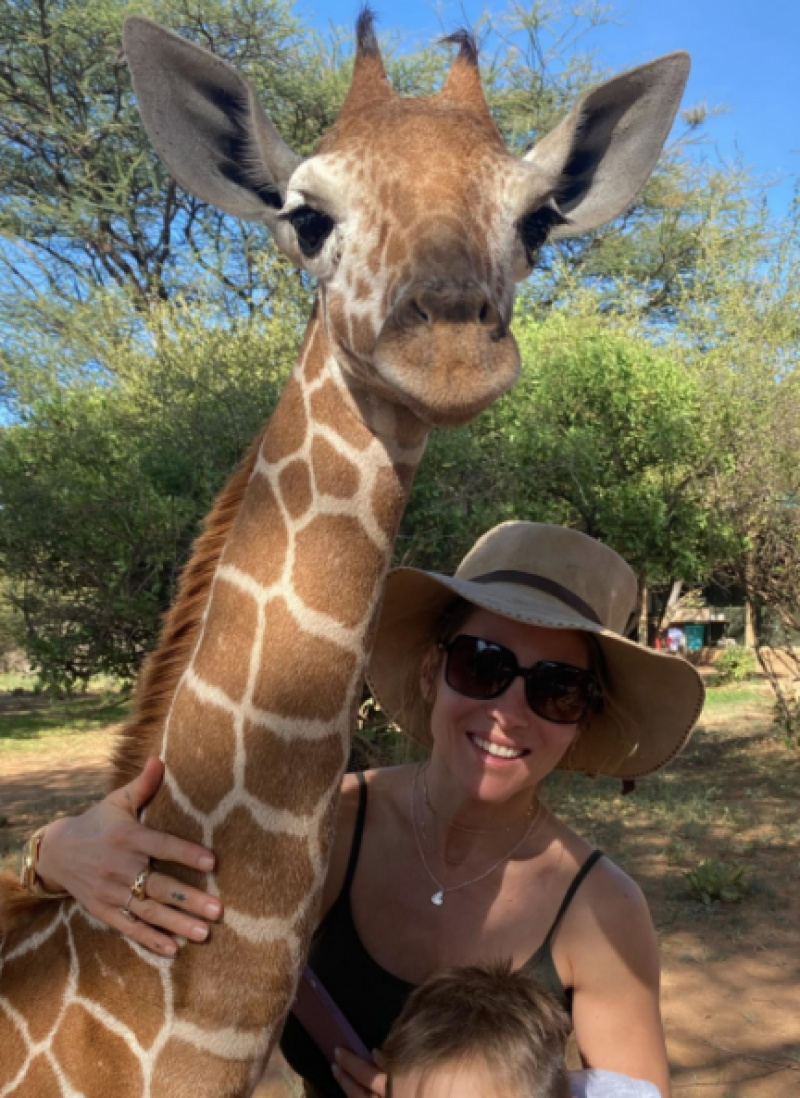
(731, 987)
(60, 779)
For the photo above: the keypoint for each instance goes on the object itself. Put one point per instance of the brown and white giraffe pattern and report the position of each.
(449, 211)
(354, 476)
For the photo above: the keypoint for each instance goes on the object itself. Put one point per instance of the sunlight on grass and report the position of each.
(28, 681)
(735, 784)
(718, 697)
(17, 680)
(34, 729)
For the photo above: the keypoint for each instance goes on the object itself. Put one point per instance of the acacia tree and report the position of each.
(603, 433)
(740, 326)
(83, 201)
(103, 487)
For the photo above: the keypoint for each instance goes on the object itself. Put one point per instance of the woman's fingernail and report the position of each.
(169, 948)
(205, 861)
(337, 1071)
(212, 910)
(199, 933)
(337, 1052)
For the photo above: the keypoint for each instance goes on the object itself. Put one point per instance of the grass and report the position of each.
(36, 728)
(730, 796)
(28, 681)
(17, 680)
(747, 693)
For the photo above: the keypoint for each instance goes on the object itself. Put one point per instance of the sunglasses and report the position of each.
(481, 669)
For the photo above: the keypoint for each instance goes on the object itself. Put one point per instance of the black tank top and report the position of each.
(370, 997)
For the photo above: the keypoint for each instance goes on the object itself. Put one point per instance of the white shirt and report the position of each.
(609, 1084)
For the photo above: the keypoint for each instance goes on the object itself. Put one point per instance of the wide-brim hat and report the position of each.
(558, 578)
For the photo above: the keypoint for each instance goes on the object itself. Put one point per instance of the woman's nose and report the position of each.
(510, 709)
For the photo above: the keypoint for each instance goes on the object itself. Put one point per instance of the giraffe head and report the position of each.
(413, 216)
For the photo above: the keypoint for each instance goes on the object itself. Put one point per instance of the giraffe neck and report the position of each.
(258, 733)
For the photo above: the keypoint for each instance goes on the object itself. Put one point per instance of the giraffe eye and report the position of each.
(312, 227)
(535, 229)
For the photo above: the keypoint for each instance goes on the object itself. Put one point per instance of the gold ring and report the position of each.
(139, 885)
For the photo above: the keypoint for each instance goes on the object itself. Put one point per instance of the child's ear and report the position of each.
(428, 673)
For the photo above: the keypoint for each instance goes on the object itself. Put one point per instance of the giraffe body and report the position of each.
(416, 222)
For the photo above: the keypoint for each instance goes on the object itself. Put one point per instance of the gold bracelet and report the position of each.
(29, 874)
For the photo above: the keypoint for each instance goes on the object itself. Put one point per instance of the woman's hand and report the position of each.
(97, 856)
(359, 1078)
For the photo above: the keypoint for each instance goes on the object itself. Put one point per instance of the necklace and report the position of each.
(461, 827)
(437, 899)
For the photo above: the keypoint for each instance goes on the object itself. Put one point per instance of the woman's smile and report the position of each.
(495, 750)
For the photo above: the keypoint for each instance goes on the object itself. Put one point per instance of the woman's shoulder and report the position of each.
(606, 892)
(605, 889)
(609, 922)
(383, 788)
(614, 896)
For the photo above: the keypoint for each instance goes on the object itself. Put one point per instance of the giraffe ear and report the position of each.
(206, 124)
(603, 152)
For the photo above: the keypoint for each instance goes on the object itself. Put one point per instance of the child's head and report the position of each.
(478, 1033)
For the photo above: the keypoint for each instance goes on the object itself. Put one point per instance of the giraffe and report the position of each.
(417, 223)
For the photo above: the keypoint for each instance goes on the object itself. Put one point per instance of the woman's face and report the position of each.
(465, 730)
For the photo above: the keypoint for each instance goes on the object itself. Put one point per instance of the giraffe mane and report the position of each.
(140, 736)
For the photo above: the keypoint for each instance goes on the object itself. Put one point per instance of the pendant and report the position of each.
(437, 898)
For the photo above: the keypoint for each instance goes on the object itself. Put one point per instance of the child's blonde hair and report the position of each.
(487, 1015)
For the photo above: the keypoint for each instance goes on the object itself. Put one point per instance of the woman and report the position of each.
(511, 669)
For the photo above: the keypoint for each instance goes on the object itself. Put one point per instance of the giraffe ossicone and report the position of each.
(417, 223)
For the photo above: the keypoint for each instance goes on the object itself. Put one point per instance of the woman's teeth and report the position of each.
(496, 749)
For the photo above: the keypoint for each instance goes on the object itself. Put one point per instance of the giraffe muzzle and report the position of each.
(449, 301)
(446, 351)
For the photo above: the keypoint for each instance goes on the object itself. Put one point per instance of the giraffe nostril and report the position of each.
(420, 312)
(484, 314)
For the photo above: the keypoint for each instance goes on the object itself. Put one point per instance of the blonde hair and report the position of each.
(487, 1014)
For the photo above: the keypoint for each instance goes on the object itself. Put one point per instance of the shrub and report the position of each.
(734, 665)
(711, 881)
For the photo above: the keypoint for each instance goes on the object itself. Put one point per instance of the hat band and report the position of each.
(540, 583)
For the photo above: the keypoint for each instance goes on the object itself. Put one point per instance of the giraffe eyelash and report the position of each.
(313, 227)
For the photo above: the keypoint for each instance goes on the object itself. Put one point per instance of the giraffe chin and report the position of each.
(447, 377)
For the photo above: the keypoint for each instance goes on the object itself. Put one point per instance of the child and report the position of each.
(489, 1032)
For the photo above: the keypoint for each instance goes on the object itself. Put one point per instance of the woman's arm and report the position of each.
(616, 978)
(97, 855)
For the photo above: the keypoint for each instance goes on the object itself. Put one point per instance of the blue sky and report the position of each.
(745, 55)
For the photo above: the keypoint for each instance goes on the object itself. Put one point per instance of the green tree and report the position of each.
(103, 487)
(604, 432)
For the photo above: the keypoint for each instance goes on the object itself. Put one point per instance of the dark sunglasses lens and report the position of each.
(560, 694)
(477, 668)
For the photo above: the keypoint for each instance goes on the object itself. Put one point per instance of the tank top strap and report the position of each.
(577, 881)
(357, 834)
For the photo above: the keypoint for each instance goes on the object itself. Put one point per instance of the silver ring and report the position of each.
(126, 910)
